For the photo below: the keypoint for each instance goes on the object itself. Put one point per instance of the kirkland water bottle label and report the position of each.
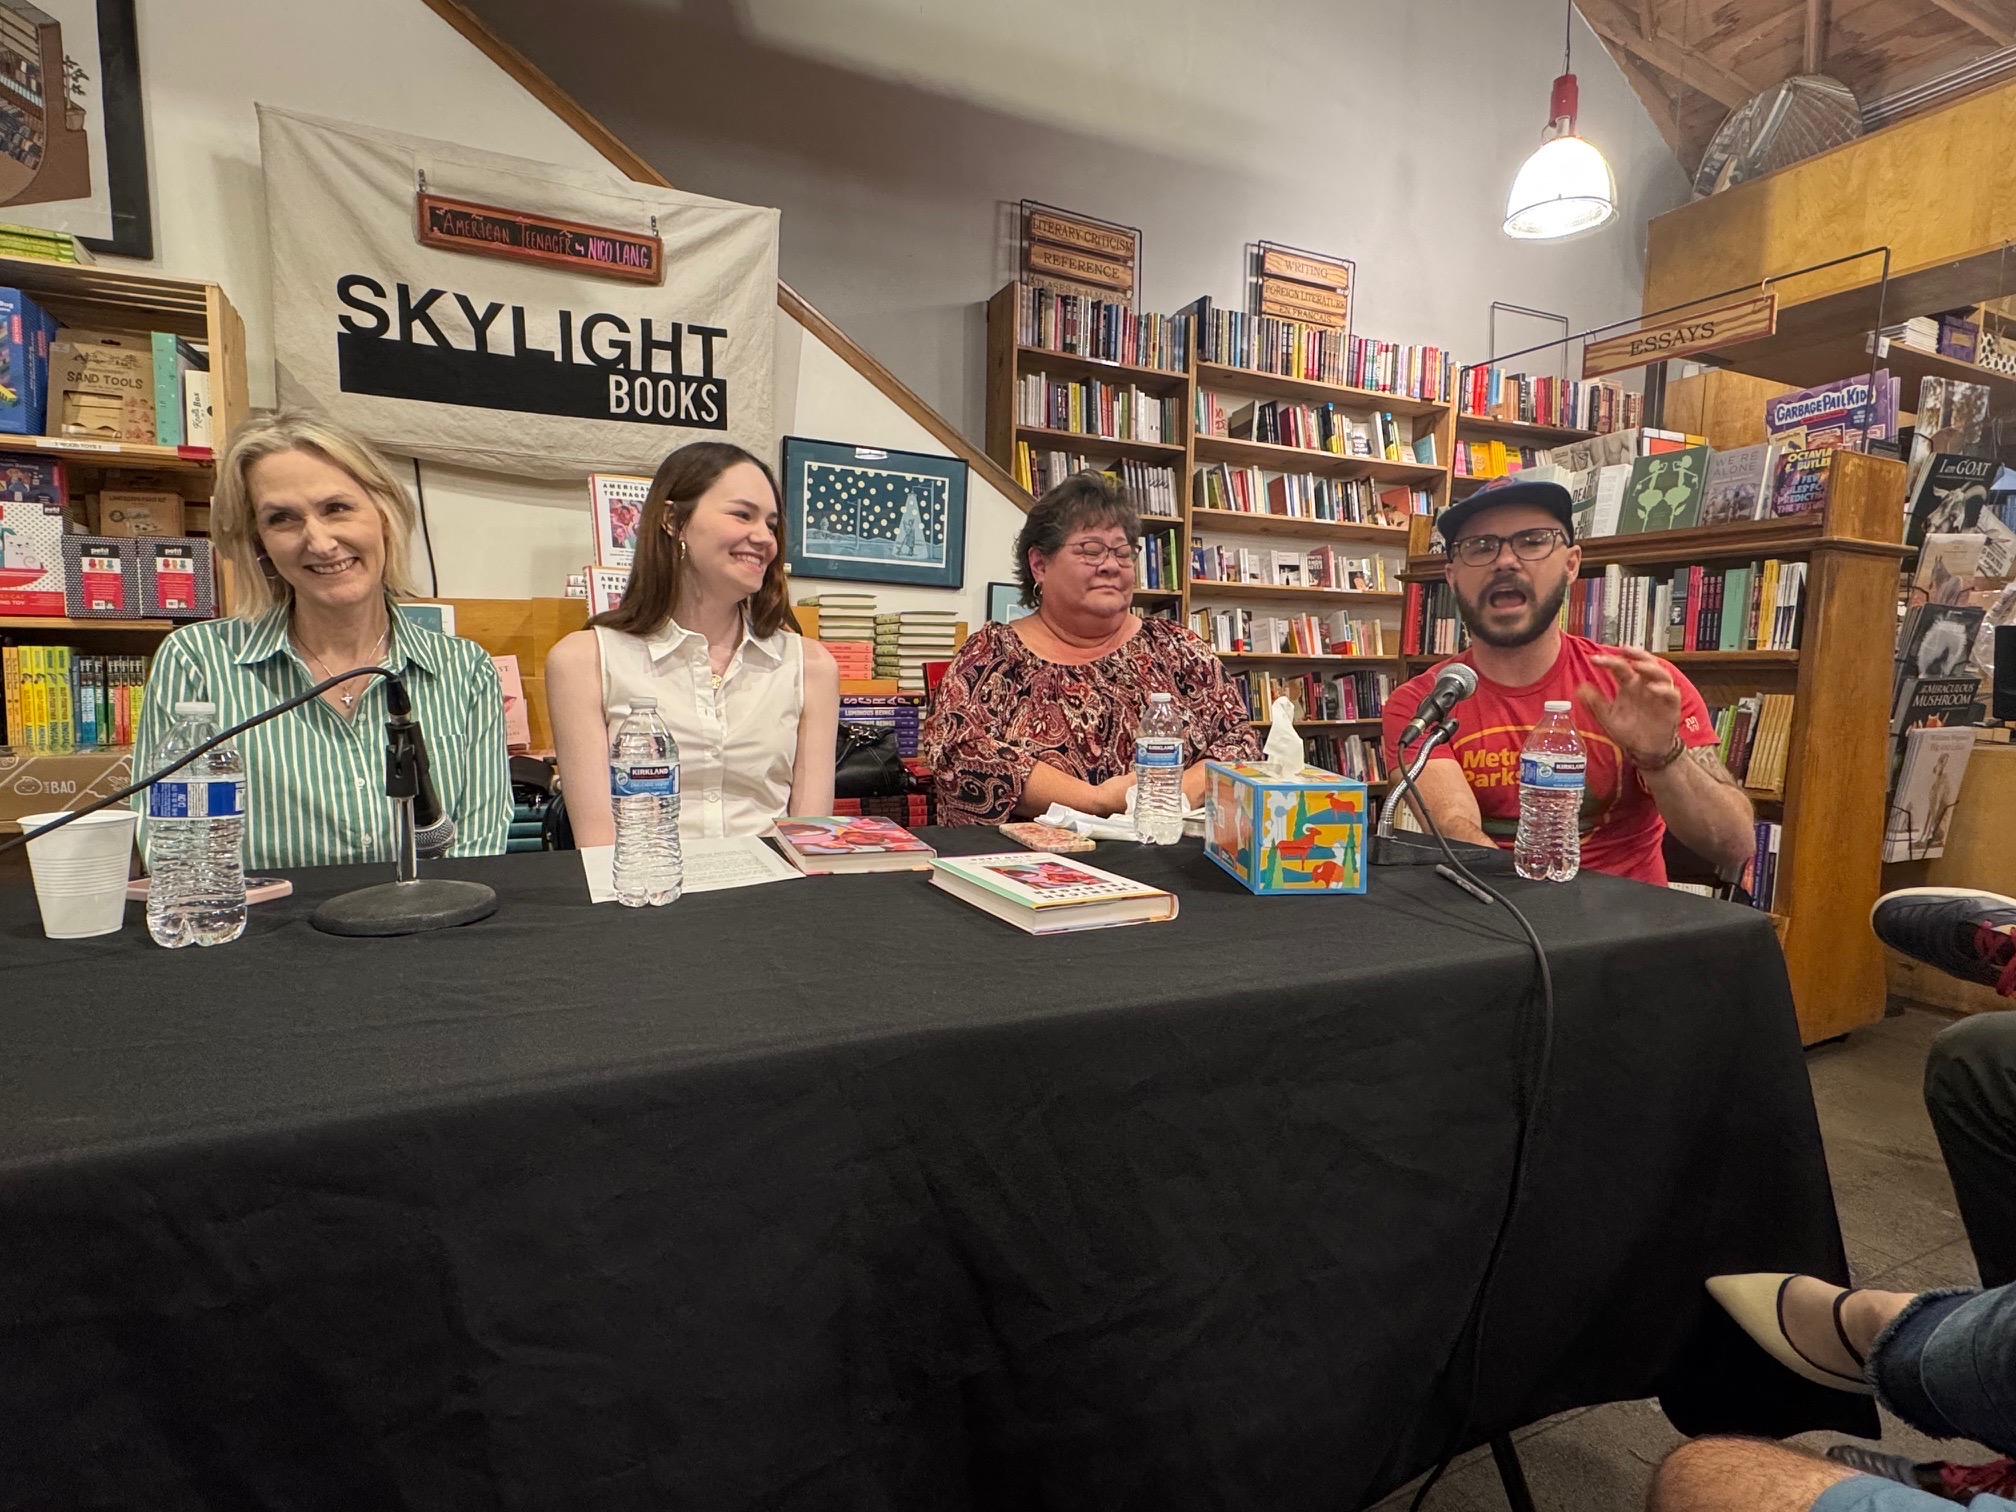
(1158, 753)
(181, 798)
(653, 779)
(1538, 770)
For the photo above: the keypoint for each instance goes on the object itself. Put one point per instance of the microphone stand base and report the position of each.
(404, 908)
(1406, 850)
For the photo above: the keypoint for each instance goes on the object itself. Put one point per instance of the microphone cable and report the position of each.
(1534, 1071)
(209, 745)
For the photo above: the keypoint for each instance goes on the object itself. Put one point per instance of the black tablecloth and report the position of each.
(841, 1194)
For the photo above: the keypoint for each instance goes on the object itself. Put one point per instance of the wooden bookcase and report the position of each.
(1830, 868)
(1008, 362)
(94, 298)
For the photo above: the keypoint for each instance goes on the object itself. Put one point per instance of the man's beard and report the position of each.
(1541, 613)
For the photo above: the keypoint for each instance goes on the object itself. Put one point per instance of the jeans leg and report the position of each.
(1970, 1091)
(1947, 1366)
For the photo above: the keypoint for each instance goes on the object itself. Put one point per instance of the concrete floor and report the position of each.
(1902, 1232)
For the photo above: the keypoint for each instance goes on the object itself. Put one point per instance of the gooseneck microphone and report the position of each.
(1456, 683)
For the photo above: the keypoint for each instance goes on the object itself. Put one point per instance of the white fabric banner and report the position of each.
(506, 365)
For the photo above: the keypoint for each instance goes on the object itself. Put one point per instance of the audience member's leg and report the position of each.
(1740, 1475)
(1946, 1364)
(1970, 1091)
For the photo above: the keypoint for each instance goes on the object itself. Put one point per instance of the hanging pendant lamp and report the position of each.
(1565, 187)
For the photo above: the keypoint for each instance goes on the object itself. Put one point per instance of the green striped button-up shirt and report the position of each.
(314, 779)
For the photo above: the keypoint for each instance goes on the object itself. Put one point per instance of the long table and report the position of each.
(838, 1193)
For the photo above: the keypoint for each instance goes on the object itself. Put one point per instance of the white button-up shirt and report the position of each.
(737, 742)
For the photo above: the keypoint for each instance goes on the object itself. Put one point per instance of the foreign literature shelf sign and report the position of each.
(510, 315)
(1289, 283)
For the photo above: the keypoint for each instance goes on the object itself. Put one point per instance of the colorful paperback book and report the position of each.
(1848, 413)
(1738, 485)
(1800, 483)
(1664, 492)
(1041, 894)
(829, 846)
(616, 501)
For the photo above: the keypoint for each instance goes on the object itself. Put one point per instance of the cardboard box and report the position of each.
(101, 386)
(131, 512)
(1300, 834)
(54, 784)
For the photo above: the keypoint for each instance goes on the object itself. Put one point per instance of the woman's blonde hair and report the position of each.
(234, 525)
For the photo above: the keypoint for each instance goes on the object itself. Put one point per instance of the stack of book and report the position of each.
(1160, 566)
(1091, 407)
(1241, 631)
(58, 699)
(1429, 623)
(1756, 736)
(1085, 327)
(914, 809)
(1356, 756)
(1315, 696)
(1492, 393)
(845, 616)
(1295, 496)
(904, 642)
(901, 712)
(41, 245)
(1755, 607)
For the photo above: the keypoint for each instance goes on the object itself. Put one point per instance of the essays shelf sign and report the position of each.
(568, 347)
(1078, 254)
(1747, 320)
(491, 231)
(1290, 284)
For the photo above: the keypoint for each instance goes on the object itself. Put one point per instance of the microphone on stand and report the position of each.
(433, 826)
(411, 904)
(1456, 683)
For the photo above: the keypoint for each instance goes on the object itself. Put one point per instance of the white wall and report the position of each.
(897, 135)
(393, 63)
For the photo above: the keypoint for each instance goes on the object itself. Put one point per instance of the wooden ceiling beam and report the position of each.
(1619, 29)
(1816, 34)
(1980, 19)
(1728, 47)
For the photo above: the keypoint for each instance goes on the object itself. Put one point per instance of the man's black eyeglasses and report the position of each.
(1527, 545)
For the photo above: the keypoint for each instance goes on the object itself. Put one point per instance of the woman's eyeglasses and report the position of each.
(1095, 553)
(1527, 545)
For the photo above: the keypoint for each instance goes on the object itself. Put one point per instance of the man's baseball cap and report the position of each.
(1551, 497)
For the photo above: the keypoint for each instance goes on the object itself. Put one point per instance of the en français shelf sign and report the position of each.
(1747, 320)
(490, 231)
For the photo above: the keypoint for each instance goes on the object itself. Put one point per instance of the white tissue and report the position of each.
(1284, 747)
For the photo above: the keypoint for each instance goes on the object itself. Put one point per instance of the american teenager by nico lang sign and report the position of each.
(462, 306)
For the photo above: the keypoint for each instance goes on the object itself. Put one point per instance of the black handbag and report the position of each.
(866, 763)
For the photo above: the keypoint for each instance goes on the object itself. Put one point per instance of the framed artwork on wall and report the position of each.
(1004, 603)
(864, 514)
(73, 140)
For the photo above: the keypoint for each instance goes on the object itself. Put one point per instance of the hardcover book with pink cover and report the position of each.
(821, 846)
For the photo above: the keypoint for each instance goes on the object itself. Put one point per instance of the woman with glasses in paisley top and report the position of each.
(1044, 710)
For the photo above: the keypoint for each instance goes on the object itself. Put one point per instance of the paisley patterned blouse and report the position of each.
(1002, 708)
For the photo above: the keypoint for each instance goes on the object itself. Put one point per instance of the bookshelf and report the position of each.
(1836, 768)
(96, 298)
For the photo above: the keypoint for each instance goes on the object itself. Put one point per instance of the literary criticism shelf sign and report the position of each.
(458, 226)
(565, 345)
(1747, 320)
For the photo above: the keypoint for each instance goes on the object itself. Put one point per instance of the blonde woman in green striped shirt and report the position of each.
(318, 532)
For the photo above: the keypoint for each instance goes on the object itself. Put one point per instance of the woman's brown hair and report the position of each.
(658, 572)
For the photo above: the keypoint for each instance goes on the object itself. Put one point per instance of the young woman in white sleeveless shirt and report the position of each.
(706, 629)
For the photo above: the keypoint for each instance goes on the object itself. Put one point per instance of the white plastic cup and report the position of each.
(80, 872)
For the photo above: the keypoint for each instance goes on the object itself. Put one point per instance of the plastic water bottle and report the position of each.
(1552, 770)
(1158, 773)
(195, 831)
(644, 791)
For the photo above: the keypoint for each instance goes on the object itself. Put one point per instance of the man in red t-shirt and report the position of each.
(1653, 758)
